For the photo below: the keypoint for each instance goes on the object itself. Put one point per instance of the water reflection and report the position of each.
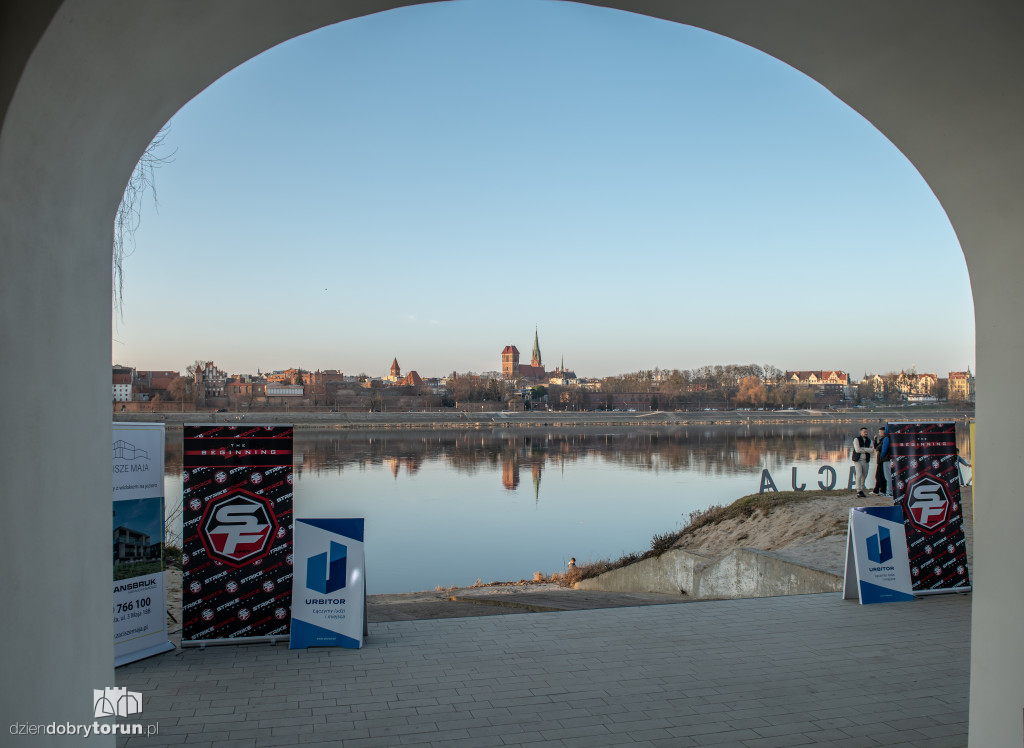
(718, 450)
(510, 454)
(450, 506)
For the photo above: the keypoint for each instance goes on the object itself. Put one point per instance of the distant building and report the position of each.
(123, 378)
(510, 362)
(155, 382)
(246, 387)
(512, 369)
(915, 384)
(563, 377)
(396, 372)
(961, 385)
(825, 381)
(210, 381)
(288, 376)
(412, 379)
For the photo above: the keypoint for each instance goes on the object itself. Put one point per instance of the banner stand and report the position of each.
(236, 533)
(139, 577)
(877, 565)
(329, 584)
(142, 654)
(926, 482)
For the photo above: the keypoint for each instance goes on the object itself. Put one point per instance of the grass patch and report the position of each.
(742, 508)
(127, 571)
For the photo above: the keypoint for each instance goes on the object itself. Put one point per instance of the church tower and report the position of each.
(510, 362)
(396, 371)
(535, 357)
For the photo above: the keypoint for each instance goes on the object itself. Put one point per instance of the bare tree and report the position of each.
(129, 212)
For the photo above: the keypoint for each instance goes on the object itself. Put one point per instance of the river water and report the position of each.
(450, 507)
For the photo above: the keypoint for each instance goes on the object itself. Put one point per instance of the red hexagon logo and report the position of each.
(238, 528)
(927, 506)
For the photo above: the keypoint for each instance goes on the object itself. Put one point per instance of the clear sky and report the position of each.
(430, 183)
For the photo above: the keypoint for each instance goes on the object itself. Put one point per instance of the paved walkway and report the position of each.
(785, 671)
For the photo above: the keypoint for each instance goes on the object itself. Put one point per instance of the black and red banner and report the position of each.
(927, 487)
(237, 538)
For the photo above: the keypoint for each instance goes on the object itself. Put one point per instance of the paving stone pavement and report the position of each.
(756, 673)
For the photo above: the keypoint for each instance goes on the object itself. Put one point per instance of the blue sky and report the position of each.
(432, 182)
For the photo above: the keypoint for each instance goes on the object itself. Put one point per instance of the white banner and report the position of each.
(140, 600)
(877, 562)
(328, 584)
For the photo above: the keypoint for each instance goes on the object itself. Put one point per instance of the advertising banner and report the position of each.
(877, 563)
(329, 592)
(140, 599)
(237, 533)
(926, 485)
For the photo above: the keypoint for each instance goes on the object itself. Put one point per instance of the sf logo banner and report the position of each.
(325, 572)
(927, 503)
(237, 528)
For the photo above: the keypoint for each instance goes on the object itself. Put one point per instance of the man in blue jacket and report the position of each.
(882, 465)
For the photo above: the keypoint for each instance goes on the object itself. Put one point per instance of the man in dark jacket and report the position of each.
(882, 454)
(861, 452)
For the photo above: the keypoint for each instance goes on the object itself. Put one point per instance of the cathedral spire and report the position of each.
(535, 357)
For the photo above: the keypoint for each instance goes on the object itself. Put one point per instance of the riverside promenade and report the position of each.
(753, 673)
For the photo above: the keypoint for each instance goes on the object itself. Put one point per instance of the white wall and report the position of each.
(940, 78)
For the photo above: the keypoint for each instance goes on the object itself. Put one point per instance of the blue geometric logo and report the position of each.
(880, 546)
(325, 572)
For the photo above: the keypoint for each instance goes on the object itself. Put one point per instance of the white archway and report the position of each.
(84, 84)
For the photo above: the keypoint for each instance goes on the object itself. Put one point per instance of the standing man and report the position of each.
(862, 449)
(882, 454)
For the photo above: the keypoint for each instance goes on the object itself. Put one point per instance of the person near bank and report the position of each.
(881, 463)
(861, 453)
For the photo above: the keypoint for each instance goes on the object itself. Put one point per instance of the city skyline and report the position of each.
(551, 369)
(432, 182)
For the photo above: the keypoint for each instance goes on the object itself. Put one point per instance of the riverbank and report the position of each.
(810, 533)
(547, 419)
(763, 545)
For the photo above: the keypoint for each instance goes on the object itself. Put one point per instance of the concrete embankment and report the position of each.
(534, 419)
(744, 572)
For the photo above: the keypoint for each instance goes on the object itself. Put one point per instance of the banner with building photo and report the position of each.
(237, 533)
(140, 599)
(926, 485)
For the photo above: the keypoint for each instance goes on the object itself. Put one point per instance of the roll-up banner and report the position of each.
(329, 597)
(140, 600)
(237, 533)
(927, 488)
